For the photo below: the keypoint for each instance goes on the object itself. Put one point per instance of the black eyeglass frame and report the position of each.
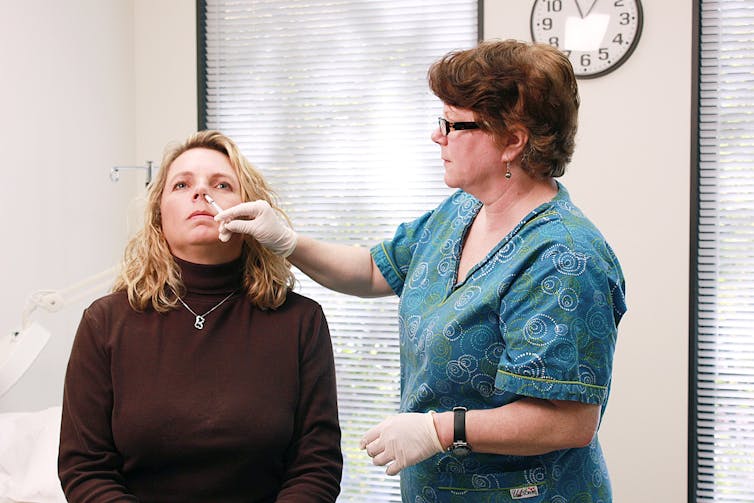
(446, 126)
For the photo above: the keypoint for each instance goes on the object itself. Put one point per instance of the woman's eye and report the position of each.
(179, 185)
(223, 185)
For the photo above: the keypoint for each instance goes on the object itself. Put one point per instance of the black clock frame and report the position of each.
(617, 64)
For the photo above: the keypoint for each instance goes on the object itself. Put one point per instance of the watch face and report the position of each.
(461, 449)
(596, 35)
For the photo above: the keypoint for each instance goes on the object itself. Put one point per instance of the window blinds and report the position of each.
(724, 419)
(329, 100)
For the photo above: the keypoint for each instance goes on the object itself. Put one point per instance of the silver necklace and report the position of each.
(199, 321)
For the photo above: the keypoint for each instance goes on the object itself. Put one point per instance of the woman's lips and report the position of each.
(202, 214)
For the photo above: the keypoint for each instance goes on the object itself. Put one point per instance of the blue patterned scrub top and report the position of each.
(537, 317)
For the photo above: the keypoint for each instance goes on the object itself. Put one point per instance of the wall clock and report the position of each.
(597, 35)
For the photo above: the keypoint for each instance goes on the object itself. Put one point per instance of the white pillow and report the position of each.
(29, 457)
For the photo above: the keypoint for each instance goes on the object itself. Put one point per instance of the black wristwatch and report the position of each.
(460, 447)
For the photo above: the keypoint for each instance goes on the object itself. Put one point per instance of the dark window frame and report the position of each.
(693, 435)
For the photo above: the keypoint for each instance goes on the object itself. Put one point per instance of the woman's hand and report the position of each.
(402, 440)
(258, 220)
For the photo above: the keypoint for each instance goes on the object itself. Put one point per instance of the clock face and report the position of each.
(596, 35)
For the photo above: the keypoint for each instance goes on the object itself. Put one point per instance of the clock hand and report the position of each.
(578, 6)
(590, 8)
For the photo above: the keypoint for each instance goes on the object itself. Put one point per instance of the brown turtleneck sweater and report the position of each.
(244, 410)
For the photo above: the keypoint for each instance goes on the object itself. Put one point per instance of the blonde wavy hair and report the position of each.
(149, 274)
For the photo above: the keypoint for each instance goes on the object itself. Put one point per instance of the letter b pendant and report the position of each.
(199, 323)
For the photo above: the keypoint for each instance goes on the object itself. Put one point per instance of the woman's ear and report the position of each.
(514, 143)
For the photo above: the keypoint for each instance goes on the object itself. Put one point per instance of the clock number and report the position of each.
(618, 39)
(603, 53)
(618, 3)
(547, 23)
(625, 18)
(554, 5)
(586, 60)
(553, 41)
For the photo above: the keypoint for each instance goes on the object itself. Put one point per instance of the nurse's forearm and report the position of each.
(345, 269)
(527, 427)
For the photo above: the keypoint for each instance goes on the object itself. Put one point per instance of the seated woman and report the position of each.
(202, 377)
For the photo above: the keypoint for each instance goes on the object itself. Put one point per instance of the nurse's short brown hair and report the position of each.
(508, 84)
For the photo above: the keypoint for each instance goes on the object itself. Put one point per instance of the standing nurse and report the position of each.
(510, 296)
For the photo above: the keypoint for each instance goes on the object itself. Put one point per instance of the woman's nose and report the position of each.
(199, 193)
(438, 137)
(200, 188)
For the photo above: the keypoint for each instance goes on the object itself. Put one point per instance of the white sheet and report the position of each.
(29, 457)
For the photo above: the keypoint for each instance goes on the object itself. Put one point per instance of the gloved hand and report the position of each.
(261, 222)
(225, 234)
(402, 440)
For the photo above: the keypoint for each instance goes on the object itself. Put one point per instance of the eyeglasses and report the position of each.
(446, 126)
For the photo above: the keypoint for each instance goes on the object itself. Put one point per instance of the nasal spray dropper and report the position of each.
(212, 203)
(224, 235)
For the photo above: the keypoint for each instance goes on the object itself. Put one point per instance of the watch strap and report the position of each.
(459, 424)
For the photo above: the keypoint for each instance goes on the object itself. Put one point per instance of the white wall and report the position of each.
(631, 175)
(166, 79)
(89, 84)
(86, 85)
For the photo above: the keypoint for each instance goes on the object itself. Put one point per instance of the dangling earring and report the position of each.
(508, 170)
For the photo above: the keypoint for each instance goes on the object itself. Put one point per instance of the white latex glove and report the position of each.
(225, 235)
(402, 440)
(260, 221)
